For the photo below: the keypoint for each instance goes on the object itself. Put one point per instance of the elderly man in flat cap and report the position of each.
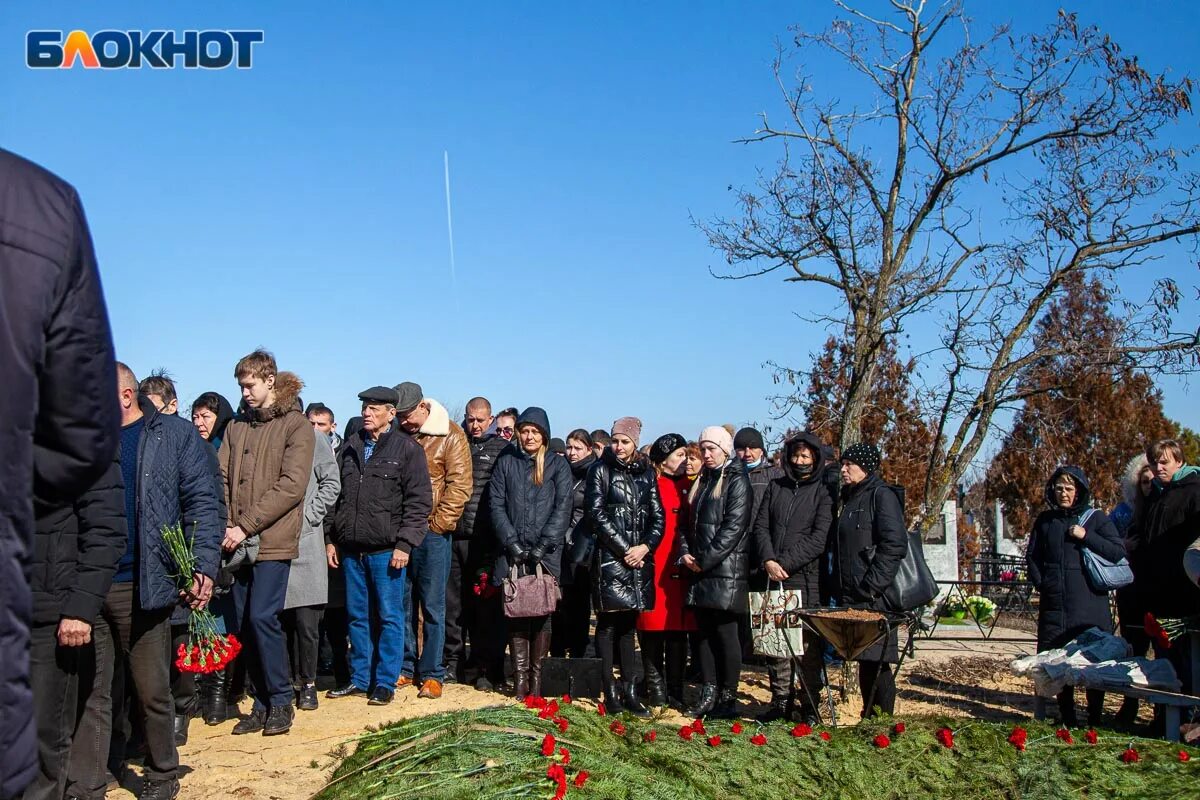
(381, 517)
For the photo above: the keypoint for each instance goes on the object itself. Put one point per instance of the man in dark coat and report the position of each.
(471, 617)
(56, 389)
(1067, 603)
(381, 515)
(75, 554)
(791, 533)
(872, 541)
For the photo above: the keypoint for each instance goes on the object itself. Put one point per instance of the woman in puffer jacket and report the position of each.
(626, 515)
(1137, 485)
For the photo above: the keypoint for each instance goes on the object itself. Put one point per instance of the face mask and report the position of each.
(803, 470)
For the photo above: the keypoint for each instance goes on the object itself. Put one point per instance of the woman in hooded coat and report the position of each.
(626, 513)
(530, 502)
(571, 627)
(791, 534)
(1067, 603)
(716, 551)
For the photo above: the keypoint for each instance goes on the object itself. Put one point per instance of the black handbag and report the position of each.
(914, 585)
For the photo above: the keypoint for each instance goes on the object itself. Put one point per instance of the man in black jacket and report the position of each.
(381, 515)
(56, 400)
(473, 549)
(75, 554)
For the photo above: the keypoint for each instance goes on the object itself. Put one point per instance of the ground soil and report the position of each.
(963, 678)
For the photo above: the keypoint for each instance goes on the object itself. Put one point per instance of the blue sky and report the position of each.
(300, 205)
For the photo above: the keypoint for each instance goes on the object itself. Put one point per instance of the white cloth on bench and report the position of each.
(1051, 669)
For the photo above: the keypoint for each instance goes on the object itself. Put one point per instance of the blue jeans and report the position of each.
(258, 595)
(373, 585)
(428, 573)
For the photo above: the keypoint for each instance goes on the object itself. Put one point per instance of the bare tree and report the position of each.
(965, 184)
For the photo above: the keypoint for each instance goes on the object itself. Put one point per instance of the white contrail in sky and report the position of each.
(450, 229)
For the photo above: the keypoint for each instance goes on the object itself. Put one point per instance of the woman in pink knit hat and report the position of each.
(716, 551)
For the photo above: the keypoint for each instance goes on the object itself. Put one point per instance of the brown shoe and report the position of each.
(431, 689)
(403, 681)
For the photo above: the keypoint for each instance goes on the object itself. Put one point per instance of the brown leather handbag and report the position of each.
(534, 595)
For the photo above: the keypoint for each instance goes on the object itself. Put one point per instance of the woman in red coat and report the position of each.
(663, 630)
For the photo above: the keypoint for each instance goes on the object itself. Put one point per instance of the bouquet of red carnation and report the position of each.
(207, 649)
(1165, 631)
(483, 587)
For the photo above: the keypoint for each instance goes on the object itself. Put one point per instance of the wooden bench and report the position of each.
(1174, 704)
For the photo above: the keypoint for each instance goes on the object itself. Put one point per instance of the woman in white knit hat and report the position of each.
(715, 549)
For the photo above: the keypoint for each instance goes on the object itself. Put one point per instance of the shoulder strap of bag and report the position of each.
(1085, 516)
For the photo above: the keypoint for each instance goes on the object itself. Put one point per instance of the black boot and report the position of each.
(613, 697)
(181, 729)
(518, 644)
(216, 699)
(632, 704)
(780, 705)
(539, 649)
(656, 694)
(726, 707)
(705, 703)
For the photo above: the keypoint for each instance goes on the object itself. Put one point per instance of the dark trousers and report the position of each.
(258, 595)
(335, 631)
(183, 684)
(720, 647)
(54, 678)
(141, 646)
(665, 653)
(488, 649)
(807, 668)
(573, 617)
(428, 575)
(877, 682)
(302, 627)
(464, 614)
(614, 632)
(89, 760)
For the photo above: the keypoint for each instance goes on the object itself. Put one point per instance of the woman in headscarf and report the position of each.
(211, 414)
(1067, 603)
(627, 520)
(872, 541)
(663, 630)
(716, 552)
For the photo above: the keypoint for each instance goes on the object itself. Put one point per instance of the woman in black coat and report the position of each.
(790, 536)
(1067, 604)
(716, 550)
(626, 515)
(573, 619)
(530, 501)
(872, 541)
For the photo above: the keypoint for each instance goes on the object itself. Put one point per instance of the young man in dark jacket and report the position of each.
(381, 515)
(472, 551)
(75, 555)
(169, 480)
(58, 349)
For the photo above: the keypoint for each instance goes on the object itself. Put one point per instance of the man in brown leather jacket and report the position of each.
(449, 458)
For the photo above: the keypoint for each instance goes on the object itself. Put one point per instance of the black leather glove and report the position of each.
(536, 555)
(516, 554)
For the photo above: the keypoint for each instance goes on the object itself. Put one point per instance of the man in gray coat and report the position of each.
(308, 581)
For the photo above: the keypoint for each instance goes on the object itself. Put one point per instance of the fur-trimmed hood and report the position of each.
(1129, 479)
(287, 395)
(438, 423)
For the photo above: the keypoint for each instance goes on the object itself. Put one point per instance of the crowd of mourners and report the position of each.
(387, 554)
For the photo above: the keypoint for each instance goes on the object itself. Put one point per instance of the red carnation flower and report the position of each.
(649, 736)
(600, 709)
(548, 711)
(1065, 735)
(714, 741)
(758, 740)
(617, 727)
(882, 741)
(801, 730)
(1183, 756)
(555, 772)
(1130, 756)
(548, 745)
(561, 722)
(737, 727)
(698, 726)
(1091, 736)
(826, 736)
(581, 778)
(898, 728)
(566, 755)
(561, 791)
(566, 698)
(1018, 737)
(686, 733)
(945, 736)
